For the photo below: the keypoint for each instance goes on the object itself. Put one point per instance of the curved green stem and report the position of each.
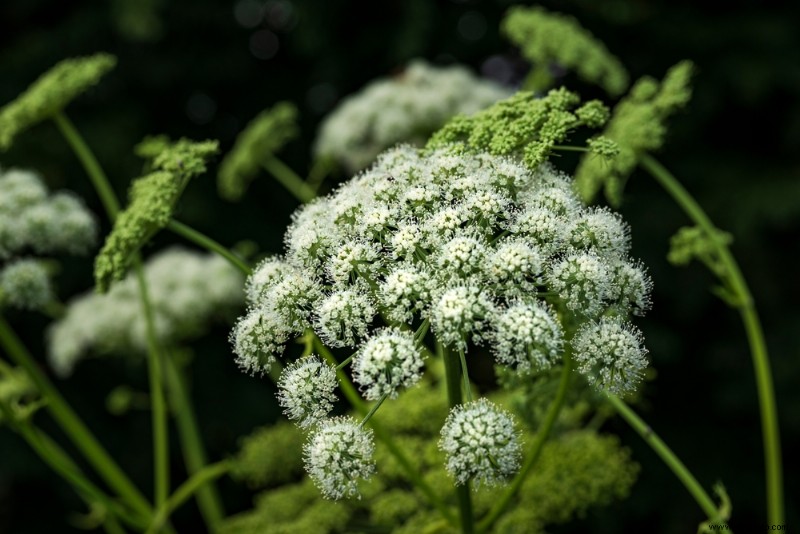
(289, 179)
(373, 410)
(194, 454)
(58, 460)
(536, 449)
(206, 242)
(159, 406)
(752, 324)
(453, 372)
(89, 162)
(465, 375)
(665, 453)
(72, 425)
(355, 400)
(185, 492)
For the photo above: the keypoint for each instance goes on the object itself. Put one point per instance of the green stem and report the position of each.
(89, 162)
(159, 408)
(536, 449)
(352, 396)
(69, 421)
(206, 242)
(185, 492)
(373, 410)
(678, 468)
(344, 362)
(453, 377)
(752, 324)
(58, 460)
(289, 179)
(465, 375)
(112, 207)
(194, 454)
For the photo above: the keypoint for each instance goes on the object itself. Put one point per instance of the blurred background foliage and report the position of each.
(204, 68)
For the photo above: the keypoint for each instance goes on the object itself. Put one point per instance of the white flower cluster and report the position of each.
(405, 108)
(306, 389)
(31, 220)
(476, 246)
(337, 454)
(186, 289)
(481, 443)
(25, 284)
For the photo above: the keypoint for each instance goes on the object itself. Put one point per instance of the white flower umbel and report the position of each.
(256, 338)
(344, 316)
(337, 455)
(527, 336)
(405, 108)
(583, 281)
(31, 219)
(459, 314)
(610, 354)
(452, 237)
(25, 284)
(306, 390)
(188, 290)
(389, 360)
(481, 443)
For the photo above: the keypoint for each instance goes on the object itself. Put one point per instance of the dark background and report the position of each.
(203, 68)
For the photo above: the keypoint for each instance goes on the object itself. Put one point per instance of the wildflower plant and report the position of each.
(460, 238)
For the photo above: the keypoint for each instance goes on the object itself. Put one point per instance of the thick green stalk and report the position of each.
(194, 454)
(185, 492)
(58, 460)
(676, 466)
(159, 406)
(69, 421)
(89, 162)
(289, 179)
(755, 336)
(452, 369)
(206, 242)
(536, 449)
(355, 400)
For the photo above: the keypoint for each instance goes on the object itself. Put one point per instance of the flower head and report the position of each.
(481, 443)
(610, 354)
(339, 453)
(389, 360)
(306, 390)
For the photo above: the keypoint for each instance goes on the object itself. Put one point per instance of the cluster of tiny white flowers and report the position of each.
(391, 359)
(481, 443)
(477, 247)
(33, 221)
(610, 354)
(186, 289)
(430, 253)
(527, 336)
(338, 453)
(25, 284)
(405, 108)
(306, 390)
